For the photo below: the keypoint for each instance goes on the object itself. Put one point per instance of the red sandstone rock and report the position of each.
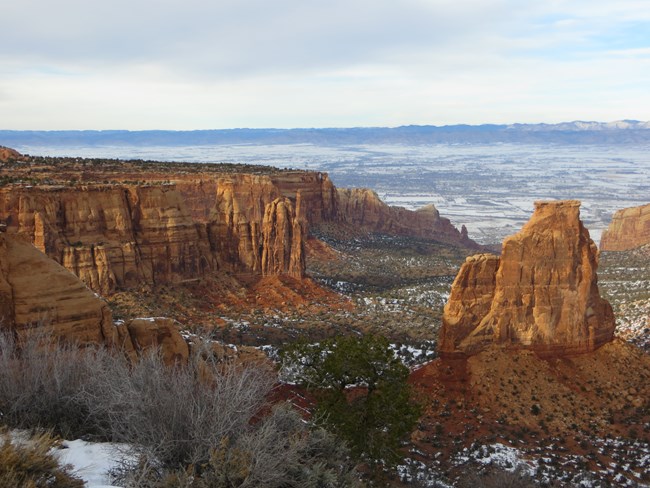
(38, 295)
(8, 154)
(629, 229)
(541, 294)
(159, 332)
(115, 236)
(283, 249)
(363, 209)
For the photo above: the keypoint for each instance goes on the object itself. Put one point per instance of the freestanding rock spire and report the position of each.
(541, 294)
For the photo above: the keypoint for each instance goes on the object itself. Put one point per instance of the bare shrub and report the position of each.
(41, 382)
(30, 463)
(174, 416)
(201, 425)
(280, 451)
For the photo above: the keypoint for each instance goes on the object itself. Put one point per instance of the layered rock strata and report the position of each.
(541, 294)
(629, 229)
(120, 235)
(38, 295)
(363, 209)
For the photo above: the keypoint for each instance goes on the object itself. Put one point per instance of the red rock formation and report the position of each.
(363, 209)
(122, 235)
(629, 229)
(116, 236)
(283, 249)
(8, 154)
(39, 295)
(542, 294)
(162, 333)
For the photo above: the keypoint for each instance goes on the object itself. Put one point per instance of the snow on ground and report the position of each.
(92, 461)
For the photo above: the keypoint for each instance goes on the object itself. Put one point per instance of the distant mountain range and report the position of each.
(577, 132)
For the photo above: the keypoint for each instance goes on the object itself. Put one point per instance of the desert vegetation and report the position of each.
(204, 424)
(362, 394)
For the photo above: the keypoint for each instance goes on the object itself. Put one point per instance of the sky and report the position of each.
(214, 64)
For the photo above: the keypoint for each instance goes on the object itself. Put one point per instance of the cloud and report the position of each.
(225, 63)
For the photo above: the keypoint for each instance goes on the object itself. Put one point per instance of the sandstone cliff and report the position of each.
(629, 229)
(119, 235)
(39, 296)
(363, 209)
(116, 236)
(541, 294)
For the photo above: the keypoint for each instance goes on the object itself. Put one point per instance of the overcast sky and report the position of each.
(209, 64)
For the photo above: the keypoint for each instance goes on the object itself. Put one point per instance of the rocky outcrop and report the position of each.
(38, 295)
(120, 236)
(159, 333)
(541, 294)
(283, 249)
(8, 154)
(629, 229)
(363, 209)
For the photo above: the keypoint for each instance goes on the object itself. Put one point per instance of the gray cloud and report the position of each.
(246, 36)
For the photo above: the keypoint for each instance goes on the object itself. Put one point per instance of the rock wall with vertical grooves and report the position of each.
(541, 294)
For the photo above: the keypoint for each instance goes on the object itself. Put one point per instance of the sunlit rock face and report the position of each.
(540, 294)
(363, 209)
(629, 229)
(119, 236)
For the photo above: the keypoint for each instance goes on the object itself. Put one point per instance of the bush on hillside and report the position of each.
(203, 424)
(30, 463)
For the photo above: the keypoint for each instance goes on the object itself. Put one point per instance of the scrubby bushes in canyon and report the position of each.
(199, 425)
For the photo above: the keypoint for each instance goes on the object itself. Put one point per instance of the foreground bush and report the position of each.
(30, 464)
(43, 386)
(199, 425)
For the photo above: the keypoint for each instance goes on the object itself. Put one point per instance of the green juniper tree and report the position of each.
(362, 393)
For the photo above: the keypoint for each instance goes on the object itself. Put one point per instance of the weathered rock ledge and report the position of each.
(117, 225)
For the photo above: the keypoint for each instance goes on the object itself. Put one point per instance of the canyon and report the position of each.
(528, 359)
(527, 347)
(119, 227)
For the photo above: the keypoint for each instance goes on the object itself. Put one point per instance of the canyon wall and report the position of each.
(540, 294)
(41, 299)
(363, 209)
(115, 236)
(629, 229)
(119, 235)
